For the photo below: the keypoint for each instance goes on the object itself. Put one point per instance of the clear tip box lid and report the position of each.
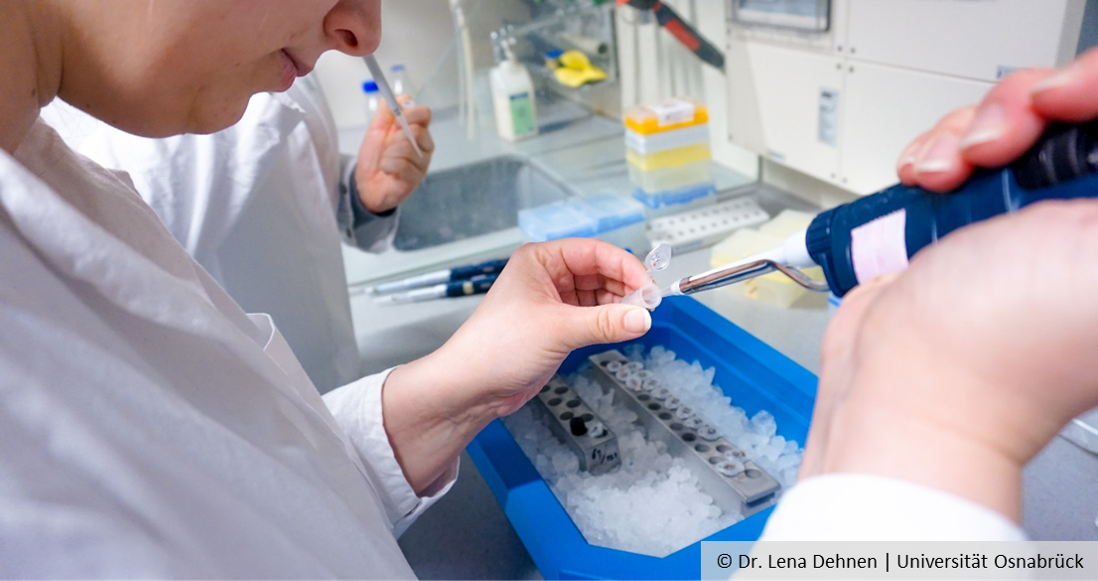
(581, 216)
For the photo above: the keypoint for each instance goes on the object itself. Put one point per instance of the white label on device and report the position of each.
(673, 112)
(879, 247)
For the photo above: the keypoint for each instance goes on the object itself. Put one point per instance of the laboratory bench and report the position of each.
(466, 534)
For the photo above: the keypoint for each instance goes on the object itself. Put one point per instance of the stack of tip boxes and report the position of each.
(667, 147)
(750, 372)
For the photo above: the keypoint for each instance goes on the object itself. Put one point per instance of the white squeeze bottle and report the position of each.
(513, 99)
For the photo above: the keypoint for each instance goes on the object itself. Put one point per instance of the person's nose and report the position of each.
(354, 26)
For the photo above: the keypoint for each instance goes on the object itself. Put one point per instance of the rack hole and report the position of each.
(566, 416)
(752, 473)
(544, 389)
(573, 403)
(555, 401)
(702, 448)
(654, 406)
(724, 448)
(644, 397)
(665, 416)
(689, 437)
(714, 460)
(588, 417)
(560, 390)
(676, 426)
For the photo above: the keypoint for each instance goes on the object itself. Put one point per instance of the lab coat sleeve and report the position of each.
(863, 507)
(357, 409)
(363, 229)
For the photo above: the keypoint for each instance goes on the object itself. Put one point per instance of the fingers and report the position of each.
(934, 160)
(1005, 124)
(398, 150)
(1069, 95)
(587, 264)
(1008, 121)
(417, 114)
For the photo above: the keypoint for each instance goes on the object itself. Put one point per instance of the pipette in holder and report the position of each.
(394, 105)
(477, 285)
(438, 277)
(878, 234)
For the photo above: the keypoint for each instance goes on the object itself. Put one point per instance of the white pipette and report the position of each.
(394, 105)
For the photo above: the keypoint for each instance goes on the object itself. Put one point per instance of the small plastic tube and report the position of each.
(648, 296)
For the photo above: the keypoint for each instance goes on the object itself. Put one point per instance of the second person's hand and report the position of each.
(1004, 125)
(388, 169)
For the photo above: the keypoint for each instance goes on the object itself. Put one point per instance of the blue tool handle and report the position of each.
(878, 233)
(474, 286)
(490, 267)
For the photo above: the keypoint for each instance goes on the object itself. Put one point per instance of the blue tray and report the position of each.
(752, 373)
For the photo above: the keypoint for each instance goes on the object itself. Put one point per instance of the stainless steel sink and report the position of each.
(473, 200)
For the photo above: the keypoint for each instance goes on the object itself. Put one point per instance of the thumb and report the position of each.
(582, 326)
(383, 119)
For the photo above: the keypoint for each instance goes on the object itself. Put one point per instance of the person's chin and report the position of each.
(213, 119)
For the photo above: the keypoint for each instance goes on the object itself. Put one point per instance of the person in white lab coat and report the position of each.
(261, 206)
(938, 385)
(149, 426)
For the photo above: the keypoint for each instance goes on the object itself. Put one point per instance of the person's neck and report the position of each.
(30, 66)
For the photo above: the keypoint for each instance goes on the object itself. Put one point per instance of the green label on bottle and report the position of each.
(522, 114)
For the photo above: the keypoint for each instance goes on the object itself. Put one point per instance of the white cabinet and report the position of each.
(887, 107)
(976, 39)
(781, 119)
(840, 106)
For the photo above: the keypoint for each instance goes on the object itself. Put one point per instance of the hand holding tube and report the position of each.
(550, 299)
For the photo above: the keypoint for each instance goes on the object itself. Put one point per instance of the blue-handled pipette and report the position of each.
(459, 288)
(879, 233)
(438, 277)
(394, 105)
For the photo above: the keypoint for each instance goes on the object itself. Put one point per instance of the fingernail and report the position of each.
(638, 321)
(907, 157)
(1058, 80)
(988, 125)
(941, 155)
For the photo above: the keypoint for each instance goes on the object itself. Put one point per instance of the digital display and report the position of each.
(806, 15)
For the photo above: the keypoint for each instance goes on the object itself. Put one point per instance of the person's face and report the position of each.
(157, 68)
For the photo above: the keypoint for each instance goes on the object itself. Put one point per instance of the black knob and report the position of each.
(1063, 153)
(578, 426)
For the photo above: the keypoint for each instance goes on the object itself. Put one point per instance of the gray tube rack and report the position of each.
(577, 425)
(723, 471)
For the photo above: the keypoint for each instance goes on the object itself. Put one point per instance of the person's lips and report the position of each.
(289, 70)
(300, 65)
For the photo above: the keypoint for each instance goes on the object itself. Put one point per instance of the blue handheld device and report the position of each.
(879, 233)
(1063, 165)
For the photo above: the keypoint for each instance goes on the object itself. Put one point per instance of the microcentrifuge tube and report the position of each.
(659, 258)
(649, 296)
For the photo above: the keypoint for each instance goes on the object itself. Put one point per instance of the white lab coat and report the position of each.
(257, 206)
(864, 507)
(148, 426)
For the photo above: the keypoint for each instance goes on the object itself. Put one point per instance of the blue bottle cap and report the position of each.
(369, 87)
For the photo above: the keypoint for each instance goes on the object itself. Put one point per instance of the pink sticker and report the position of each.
(879, 247)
